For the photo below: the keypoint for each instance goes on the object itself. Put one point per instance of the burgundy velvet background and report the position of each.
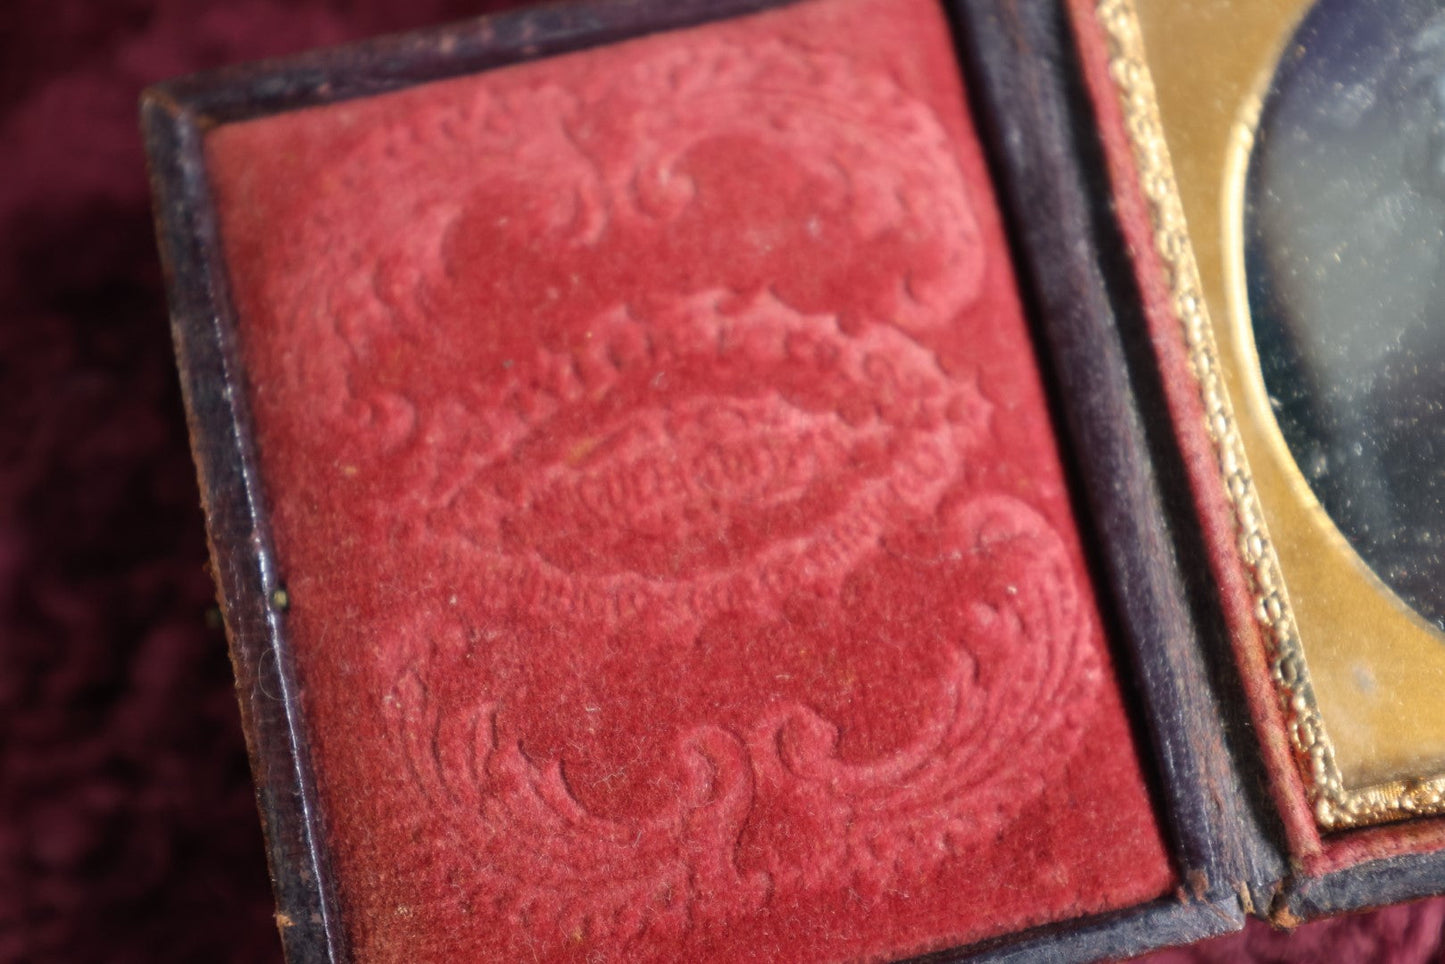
(127, 827)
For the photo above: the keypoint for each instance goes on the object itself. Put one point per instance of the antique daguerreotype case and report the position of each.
(834, 480)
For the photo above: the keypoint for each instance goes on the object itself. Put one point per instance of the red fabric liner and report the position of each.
(1313, 854)
(681, 565)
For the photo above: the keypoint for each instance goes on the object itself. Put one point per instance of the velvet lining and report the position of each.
(680, 563)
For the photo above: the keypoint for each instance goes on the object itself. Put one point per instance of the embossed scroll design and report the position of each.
(1009, 701)
(705, 438)
(1335, 805)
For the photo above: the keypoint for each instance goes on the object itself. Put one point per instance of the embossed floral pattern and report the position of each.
(713, 446)
(1008, 673)
(690, 413)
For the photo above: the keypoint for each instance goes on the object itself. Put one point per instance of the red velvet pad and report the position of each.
(681, 564)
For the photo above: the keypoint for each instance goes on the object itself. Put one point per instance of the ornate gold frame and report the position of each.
(1336, 804)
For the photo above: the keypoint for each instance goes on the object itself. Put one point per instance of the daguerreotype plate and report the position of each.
(1344, 228)
(1312, 176)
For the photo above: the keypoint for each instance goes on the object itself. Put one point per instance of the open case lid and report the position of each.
(1078, 229)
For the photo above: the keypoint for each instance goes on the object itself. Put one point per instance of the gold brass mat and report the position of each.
(1366, 710)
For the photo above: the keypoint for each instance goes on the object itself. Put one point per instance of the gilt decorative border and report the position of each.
(1335, 805)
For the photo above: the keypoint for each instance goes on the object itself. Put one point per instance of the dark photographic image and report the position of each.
(1345, 234)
